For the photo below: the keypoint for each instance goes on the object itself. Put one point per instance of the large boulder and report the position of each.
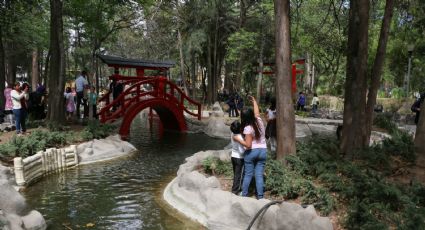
(13, 207)
(103, 149)
(201, 198)
(217, 111)
(217, 128)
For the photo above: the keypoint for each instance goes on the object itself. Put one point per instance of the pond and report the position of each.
(123, 193)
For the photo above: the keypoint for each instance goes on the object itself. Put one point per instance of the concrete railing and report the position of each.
(44, 162)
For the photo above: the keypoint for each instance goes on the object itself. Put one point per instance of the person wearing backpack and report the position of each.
(416, 107)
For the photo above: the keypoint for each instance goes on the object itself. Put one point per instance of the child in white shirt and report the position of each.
(237, 157)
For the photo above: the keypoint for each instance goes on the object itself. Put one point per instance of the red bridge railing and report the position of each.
(141, 89)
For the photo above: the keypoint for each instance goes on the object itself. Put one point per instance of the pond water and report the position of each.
(124, 193)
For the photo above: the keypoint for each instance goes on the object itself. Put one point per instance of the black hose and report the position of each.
(265, 207)
(262, 210)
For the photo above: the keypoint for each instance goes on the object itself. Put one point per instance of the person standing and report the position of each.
(93, 101)
(81, 84)
(8, 107)
(237, 156)
(271, 124)
(70, 103)
(416, 107)
(18, 98)
(315, 103)
(301, 101)
(256, 148)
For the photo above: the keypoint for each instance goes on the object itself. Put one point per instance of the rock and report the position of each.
(10, 200)
(201, 198)
(12, 205)
(323, 130)
(103, 149)
(216, 110)
(217, 128)
(34, 221)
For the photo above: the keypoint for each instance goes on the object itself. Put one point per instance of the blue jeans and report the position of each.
(254, 161)
(20, 116)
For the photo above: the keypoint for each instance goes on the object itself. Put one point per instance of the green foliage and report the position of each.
(215, 166)
(373, 202)
(401, 144)
(238, 42)
(290, 184)
(38, 140)
(398, 93)
(96, 130)
(56, 127)
(381, 94)
(384, 121)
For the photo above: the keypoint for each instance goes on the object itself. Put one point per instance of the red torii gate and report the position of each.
(166, 98)
(295, 71)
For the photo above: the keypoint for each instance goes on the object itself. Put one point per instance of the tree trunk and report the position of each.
(260, 75)
(46, 67)
(2, 69)
(420, 139)
(210, 75)
(57, 67)
(377, 67)
(242, 21)
(193, 76)
(354, 130)
(285, 118)
(34, 70)
(183, 77)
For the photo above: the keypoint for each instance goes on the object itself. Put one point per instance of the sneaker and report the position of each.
(19, 135)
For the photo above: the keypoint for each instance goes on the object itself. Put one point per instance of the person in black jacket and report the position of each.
(416, 107)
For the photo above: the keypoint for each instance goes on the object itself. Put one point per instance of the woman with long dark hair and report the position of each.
(256, 148)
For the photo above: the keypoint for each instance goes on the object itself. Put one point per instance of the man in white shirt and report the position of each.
(81, 84)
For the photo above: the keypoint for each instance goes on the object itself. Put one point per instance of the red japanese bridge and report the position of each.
(141, 92)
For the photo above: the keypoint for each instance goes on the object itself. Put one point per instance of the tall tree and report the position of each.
(2, 69)
(354, 127)
(56, 80)
(378, 64)
(285, 109)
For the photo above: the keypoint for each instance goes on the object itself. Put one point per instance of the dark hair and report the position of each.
(248, 118)
(235, 127)
(84, 72)
(68, 89)
(273, 103)
(25, 85)
(315, 94)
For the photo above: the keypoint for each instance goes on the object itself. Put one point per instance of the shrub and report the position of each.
(213, 165)
(384, 121)
(96, 130)
(38, 140)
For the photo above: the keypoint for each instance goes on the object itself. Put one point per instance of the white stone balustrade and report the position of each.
(44, 162)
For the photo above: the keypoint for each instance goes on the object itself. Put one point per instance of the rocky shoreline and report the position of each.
(12, 204)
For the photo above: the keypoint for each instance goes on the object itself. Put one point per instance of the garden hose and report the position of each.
(264, 209)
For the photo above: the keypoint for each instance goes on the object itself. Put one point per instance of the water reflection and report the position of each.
(119, 194)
